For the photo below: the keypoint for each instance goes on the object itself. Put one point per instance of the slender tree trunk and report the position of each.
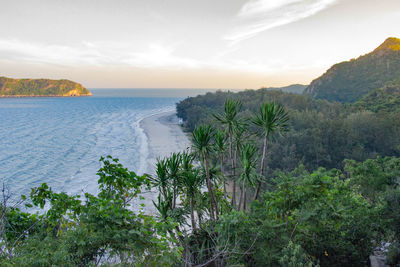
(174, 200)
(211, 190)
(241, 198)
(222, 173)
(235, 153)
(192, 214)
(244, 197)
(233, 169)
(262, 167)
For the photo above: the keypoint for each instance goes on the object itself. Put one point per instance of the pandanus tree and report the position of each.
(239, 135)
(173, 165)
(271, 119)
(161, 179)
(202, 145)
(220, 149)
(229, 119)
(248, 175)
(191, 182)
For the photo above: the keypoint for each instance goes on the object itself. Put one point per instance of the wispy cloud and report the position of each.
(257, 16)
(109, 54)
(88, 53)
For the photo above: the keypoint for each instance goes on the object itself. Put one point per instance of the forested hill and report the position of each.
(40, 87)
(322, 134)
(349, 81)
(386, 99)
(294, 88)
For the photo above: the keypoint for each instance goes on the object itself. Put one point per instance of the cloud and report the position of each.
(261, 15)
(88, 53)
(111, 54)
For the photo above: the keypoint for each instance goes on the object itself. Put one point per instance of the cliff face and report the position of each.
(40, 87)
(351, 80)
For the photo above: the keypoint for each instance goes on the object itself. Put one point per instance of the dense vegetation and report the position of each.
(294, 88)
(40, 87)
(386, 99)
(321, 134)
(349, 81)
(226, 202)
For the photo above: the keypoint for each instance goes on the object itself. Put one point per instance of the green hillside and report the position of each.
(350, 81)
(40, 87)
(385, 99)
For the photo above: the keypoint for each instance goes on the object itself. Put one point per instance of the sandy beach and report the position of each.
(164, 136)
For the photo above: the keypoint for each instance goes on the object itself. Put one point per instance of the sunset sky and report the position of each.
(186, 43)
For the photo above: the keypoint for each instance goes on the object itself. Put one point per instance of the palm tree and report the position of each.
(248, 174)
(191, 181)
(187, 160)
(271, 119)
(229, 118)
(239, 136)
(161, 180)
(220, 149)
(202, 144)
(173, 165)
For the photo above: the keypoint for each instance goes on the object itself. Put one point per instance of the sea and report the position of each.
(59, 141)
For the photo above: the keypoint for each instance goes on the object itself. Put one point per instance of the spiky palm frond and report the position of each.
(202, 140)
(249, 160)
(272, 118)
(231, 110)
(187, 160)
(161, 178)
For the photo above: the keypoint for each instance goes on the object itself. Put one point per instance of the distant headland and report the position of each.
(41, 88)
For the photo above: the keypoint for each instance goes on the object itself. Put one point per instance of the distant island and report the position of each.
(40, 88)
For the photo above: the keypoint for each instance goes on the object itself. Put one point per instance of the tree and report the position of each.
(191, 183)
(202, 144)
(173, 165)
(271, 119)
(220, 149)
(248, 174)
(230, 118)
(160, 180)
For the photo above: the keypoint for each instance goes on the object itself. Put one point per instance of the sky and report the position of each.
(227, 44)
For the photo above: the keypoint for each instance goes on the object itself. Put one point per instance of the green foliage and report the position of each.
(373, 177)
(272, 118)
(294, 256)
(73, 232)
(317, 211)
(321, 134)
(385, 99)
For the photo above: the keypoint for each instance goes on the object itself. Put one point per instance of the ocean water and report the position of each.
(60, 140)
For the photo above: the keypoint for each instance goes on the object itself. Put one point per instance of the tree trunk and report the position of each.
(243, 195)
(192, 214)
(210, 190)
(233, 169)
(262, 168)
(241, 198)
(222, 174)
(174, 199)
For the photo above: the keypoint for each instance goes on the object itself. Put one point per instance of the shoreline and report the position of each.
(164, 137)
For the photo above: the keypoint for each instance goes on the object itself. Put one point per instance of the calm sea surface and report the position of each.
(60, 140)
